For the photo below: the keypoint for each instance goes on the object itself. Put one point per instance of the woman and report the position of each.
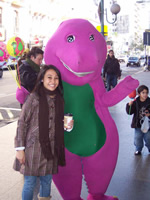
(40, 134)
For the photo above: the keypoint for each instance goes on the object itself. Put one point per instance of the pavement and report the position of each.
(131, 179)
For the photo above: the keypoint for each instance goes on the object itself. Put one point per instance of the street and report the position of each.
(131, 70)
(10, 108)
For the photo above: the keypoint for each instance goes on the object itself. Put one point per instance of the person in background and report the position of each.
(23, 56)
(111, 71)
(140, 108)
(39, 140)
(148, 63)
(29, 69)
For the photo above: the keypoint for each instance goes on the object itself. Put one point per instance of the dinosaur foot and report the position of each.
(101, 197)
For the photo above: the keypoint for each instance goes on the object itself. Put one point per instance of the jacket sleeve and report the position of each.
(119, 74)
(22, 126)
(131, 109)
(28, 78)
(118, 68)
(105, 69)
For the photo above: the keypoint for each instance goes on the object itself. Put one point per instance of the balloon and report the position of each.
(3, 52)
(132, 95)
(21, 94)
(15, 46)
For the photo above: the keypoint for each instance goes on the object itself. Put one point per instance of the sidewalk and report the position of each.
(11, 182)
(131, 180)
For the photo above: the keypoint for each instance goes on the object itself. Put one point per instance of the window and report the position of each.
(1, 16)
(16, 23)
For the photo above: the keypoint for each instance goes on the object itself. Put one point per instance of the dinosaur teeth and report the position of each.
(79, 74)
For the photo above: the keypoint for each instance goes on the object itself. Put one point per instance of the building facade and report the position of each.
(34, 21)
(132, 21)
(26, 19)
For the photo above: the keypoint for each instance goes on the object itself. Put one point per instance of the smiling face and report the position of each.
(78, 50)
(143, 95)
(51, 80)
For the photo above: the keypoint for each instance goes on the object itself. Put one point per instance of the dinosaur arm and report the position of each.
(108, 99)
(124, 88)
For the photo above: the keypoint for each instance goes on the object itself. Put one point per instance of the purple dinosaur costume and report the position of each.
(79, 52)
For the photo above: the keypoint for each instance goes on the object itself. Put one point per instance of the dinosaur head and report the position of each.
(78, 50)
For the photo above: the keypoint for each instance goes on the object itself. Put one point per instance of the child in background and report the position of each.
(140, 107)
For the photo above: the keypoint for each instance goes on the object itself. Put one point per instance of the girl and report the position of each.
(40, 134)
(140, 108)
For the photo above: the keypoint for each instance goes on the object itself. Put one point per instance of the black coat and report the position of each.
(28, 76)
(112, 66)
(134, 109)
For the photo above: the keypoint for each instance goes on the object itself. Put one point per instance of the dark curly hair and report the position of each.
(141, 88)
(34, 52)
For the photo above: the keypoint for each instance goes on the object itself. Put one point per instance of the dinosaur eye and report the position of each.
(91, 37)
(71, 38)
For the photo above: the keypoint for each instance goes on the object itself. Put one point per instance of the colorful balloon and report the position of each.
(15, 46)
(3, 52)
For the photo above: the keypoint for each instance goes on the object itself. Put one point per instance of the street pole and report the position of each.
(101, 15)
(115, 9)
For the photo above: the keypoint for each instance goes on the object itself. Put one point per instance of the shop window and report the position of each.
(1, 16)
(16, 20)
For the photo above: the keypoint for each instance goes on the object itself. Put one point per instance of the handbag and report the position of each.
(21, 94)
(145, 125)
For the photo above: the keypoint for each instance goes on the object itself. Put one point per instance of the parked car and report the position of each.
(12, 62)
(1, 72)
(2, 63)
(121, 59)
(133, 61)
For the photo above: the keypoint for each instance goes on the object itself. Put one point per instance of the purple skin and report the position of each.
(78, 50)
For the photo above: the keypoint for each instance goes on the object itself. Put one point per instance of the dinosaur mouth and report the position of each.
(79, 74)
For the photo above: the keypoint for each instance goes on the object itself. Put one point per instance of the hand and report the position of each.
(104, 78)
(119, 77)
(130, 103)
(20, 155)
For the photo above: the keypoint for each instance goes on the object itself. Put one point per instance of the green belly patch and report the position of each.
(88, 134)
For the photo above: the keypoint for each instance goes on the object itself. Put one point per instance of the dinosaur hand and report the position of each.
(127, 85)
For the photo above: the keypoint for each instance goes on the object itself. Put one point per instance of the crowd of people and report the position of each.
(42, 118)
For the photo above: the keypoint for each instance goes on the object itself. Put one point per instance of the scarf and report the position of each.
(34, 66)
(44, 125)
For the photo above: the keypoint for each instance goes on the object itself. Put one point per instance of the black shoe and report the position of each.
(137, 153)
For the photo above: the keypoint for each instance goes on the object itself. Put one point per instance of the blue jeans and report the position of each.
(111, 80)
(30, 182)
(140, 138)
